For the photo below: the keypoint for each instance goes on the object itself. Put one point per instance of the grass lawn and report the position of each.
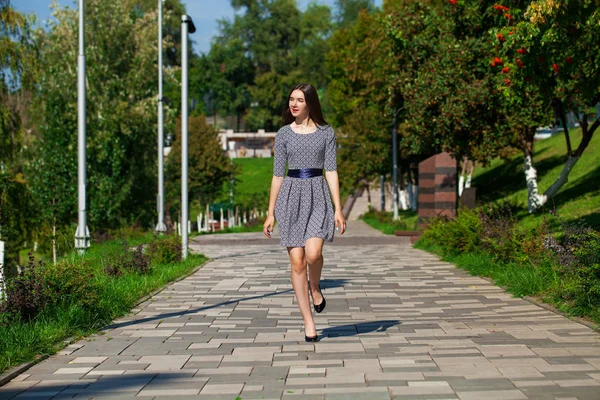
(23, 340)
(255, 176)
(577, 200)
(384, 221)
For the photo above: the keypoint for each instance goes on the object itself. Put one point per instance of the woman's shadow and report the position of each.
(358, 328)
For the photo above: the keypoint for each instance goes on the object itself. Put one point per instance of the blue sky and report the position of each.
(205, 14)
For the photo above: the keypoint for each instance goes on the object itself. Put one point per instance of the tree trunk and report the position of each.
(54, 241)
(461, 178)
(536, 200)
(402, 195)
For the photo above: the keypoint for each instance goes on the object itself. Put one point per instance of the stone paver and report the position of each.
(399, 324)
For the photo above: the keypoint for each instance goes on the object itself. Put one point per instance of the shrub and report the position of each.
(26, 293)
(499, 236)
(165, 251)
(462, 234)
(577, 255)
(71, 280)
(127, 260)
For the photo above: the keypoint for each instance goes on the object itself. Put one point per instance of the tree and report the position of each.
(18, 67)
(348, 11)
(256, 58)
(360, 68)
(448, 94)
(209, 167)
(121, 50)
(549, 51)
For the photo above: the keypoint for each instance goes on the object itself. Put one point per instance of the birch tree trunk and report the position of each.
(2, 285)
(403, 199)
(54, 241)
(409, 191)
(461, 178)
(536, 200)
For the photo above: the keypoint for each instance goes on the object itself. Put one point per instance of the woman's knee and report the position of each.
(298, 267)
(313, 257)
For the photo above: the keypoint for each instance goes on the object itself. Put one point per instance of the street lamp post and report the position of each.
(187, 25)
(82, 235)
(160, 226)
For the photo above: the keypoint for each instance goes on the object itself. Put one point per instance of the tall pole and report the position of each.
(395, 161)
(160, 226)
(82, 235)
(186, 25)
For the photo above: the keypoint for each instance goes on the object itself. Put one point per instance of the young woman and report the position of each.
(302, 201)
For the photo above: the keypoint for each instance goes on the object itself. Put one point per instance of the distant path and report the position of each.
(399, 324)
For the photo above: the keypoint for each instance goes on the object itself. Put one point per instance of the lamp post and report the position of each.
(395, 162)
(160, 226)
(187, 25)
(82, 235)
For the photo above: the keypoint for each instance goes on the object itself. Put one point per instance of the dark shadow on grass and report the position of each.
(358, 328)
(504, 180)
(325, 284)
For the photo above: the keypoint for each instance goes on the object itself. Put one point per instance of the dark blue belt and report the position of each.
(305, 172)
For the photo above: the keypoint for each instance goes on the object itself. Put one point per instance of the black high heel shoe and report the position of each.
(319, 307)
(311, 339)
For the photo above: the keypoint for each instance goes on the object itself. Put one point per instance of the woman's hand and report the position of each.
(340, 222)
(268, 226)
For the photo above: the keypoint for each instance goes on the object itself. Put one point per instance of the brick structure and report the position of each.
(438, 187)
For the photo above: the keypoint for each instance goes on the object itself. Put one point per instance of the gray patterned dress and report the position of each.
(304, 208)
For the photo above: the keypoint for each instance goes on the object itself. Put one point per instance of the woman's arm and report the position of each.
(334, 188)
(276, 183)
(269, 224)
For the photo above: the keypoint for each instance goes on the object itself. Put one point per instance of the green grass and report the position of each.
(24, 340)
(577, 200)
(255, 176)
(384, 221)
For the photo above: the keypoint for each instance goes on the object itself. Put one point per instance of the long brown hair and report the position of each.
(312, 101)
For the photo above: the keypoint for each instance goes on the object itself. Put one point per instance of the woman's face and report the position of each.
(297, 104)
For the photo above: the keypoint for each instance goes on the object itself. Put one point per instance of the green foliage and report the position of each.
(26, 295)
(455, 236)
(349, 10)
(577, 256)
(550, 48)
(121, 115)
(71, 280)
(360, 71)
(256, 58)
(449, 97)
(165, 251)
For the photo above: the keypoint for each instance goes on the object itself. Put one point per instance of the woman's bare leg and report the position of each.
(300, 285)
(314, 257)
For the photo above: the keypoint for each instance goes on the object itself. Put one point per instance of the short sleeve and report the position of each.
(330, 151)
(280, 155)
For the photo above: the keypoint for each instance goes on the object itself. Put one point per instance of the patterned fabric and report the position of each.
(304, 208)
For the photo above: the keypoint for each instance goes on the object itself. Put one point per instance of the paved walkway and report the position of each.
(398, 324)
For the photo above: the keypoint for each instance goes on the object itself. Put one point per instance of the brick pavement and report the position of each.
(399, 324)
